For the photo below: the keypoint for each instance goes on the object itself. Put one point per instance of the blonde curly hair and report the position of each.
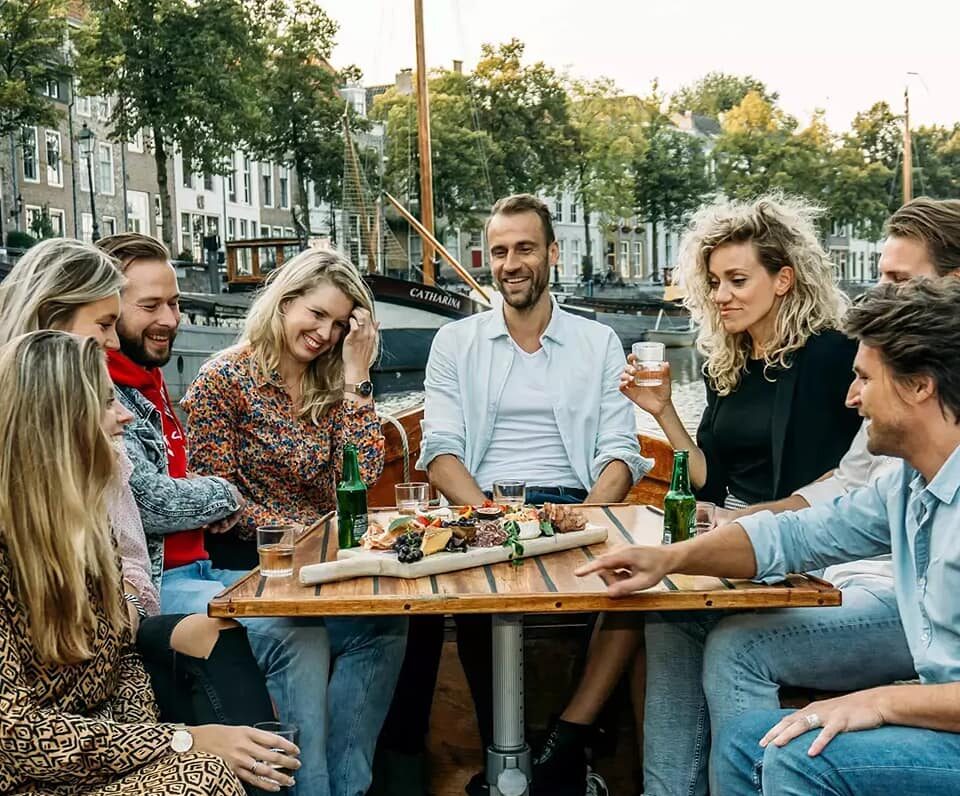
(783, 233)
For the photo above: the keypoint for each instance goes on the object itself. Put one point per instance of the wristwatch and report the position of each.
(363, 388)
(182, 741)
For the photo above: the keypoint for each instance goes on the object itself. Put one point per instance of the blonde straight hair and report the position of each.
(56, 466)
(322, 384)
(51, 282)
(782, 232)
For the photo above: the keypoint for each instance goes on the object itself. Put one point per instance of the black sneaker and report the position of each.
(560, 769)
(398, 774)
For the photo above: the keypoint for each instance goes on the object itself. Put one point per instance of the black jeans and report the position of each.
(225, 688)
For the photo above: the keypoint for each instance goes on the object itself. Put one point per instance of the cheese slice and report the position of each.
(435, 539)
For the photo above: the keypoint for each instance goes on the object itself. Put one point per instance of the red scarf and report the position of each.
(179, 548)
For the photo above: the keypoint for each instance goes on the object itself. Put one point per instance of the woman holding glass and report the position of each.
(78, 712)
(273, 415)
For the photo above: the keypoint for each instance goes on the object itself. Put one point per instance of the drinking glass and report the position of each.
(289, 732)
(275, 546)
(510, 493)
(412, 498)
(706, 516)
(650, 364)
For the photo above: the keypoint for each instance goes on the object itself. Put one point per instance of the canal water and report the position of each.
(689, 395)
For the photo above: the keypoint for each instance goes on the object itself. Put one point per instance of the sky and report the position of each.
(837, 55)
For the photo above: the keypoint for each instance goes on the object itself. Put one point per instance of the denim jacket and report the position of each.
(167, 505)
(468, 367)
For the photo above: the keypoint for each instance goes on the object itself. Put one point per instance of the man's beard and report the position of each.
(885, 439)
(135, 349)
(539, 279)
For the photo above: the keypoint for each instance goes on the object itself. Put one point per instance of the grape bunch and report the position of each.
(456, 545)
(408, 548)
(460, 522)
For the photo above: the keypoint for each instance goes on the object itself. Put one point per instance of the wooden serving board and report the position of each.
(358, 563)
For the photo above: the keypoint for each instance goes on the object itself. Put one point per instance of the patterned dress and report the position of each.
(89, 728)
(242, 427)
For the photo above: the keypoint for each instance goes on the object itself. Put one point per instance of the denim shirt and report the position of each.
(899, 513)
(469, 363)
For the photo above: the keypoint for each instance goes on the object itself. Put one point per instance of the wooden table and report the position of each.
(540, 585)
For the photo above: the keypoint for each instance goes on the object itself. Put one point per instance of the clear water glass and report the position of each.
(412, 498)
(275, 547)
(510, 493)
(650, 364)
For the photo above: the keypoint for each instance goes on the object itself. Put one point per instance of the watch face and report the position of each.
(365, 388)
(181, 742)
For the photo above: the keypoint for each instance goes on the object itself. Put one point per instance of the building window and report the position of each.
(264, 231)
(108, 226)
(266, 181)
(86, 227)
(187, 175)
(558, 211)
(105, 172)
(54, 162)
(232, 179)
(278, 232)
(208, 182)
(52, 88)
(284, 184)
(57, 222)
(246, 180)
(562, 244)
(186, 234)
(668, 244)
(625, 258)
(243, 229)
(637, 258)
(103, 108)
(231, 228)
(34, 217)
(81, 103)
(288, 232)
(575, 259)
(573, 212)
(31, 155)
(135, 144)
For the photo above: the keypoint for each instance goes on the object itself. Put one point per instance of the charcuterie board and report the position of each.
(357, 562)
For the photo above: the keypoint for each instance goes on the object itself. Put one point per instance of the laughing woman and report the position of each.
(77, 715)
(272, 416)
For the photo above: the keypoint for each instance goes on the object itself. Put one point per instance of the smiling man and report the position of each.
(886, 738)
(525, 391)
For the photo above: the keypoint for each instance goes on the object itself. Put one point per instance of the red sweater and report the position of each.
(185, 547)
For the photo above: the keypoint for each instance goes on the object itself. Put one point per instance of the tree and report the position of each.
(31, 44)
(524, 109)
(300, 107)
(461, 153)
(604, 124)
(717, 92)
(185, 71)
(670, 171)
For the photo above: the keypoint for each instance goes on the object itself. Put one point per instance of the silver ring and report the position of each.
(813, 721)
(253, 768)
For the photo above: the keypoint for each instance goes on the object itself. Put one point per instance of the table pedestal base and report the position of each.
(508, 759)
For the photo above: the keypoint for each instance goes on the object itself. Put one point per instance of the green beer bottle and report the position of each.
(351, 501)
(679, 505)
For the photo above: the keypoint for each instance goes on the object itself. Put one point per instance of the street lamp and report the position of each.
(86, 138)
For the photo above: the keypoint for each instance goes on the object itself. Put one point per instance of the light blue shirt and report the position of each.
(470, 361)
(918, 523)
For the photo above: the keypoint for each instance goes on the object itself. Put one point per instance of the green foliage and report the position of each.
(525, 111)
(671, 176)
(299, 108)
(16, 239)
(717, 93)
(460, 152)
(186, 71)
(31, 42)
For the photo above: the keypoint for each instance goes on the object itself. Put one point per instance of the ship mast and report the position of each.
(907, 148)
(423, 136)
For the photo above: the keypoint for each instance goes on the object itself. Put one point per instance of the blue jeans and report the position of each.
(705, 669)
(905, 761)
(340, 708)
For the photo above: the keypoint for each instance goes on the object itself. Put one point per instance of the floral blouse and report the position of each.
(242, 427)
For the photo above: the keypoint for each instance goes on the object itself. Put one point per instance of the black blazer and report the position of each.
(811, 428)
